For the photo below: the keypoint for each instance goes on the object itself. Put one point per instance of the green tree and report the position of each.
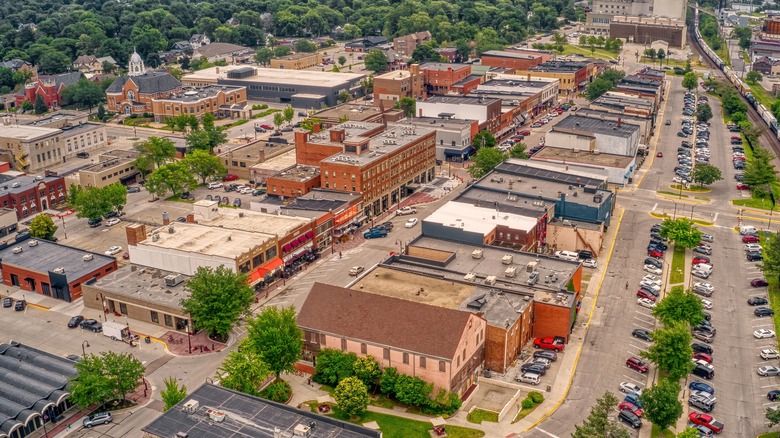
(334, 365)
(367, 370)
(682, 232)
(280, 51)
(690, 81)
(661, 404)
(101, 113)
(351, 395)
(218, 298)
(706, 174)
(754, 76)
(342, 60)
(485, 160)
(123, 371)
(172, 177)
(703, 113)
(344, 96)
(671, 350)
(488, 39)
(204, 165)
(42, 227)
(199, 140)
(309, 123)
(772, 416)
(679, 306)
(751, 132)
(264, 56)
(289, 114)
(375, 60)
(278, 120)
(760, 172)
(153, 153)
(173, 393)
(408, 105)
(115, 196)
(484, 139)
(690, 432)
(651, 53)
(276, 338)
(661, 55)
(599, 423)
(518, 151)
(83, 94)
(90, 386)
(243, 371)
(771, 262)
(305, 46)
(425, 53)
(39, 106)
(90, 203)
(598, 87)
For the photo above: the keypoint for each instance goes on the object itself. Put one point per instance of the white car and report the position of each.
(590, 263)
(113, 221)
(707, 238)
(113, 250)
(704, 287)
(679, 180)
(703, 363)
(763, 333)
(411, 222)
(752, 247)
(405, 210)
(215, 185)
(768, 370)
(630, 388)
(653, 270)
(644, 302)
(246, 190)
(355, 271)
(707, 304)
(650, 285)
(769, 353)
(651, 278)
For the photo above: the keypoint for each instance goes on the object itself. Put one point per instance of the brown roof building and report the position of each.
(406, 44)
(439, 345)
(512, 60)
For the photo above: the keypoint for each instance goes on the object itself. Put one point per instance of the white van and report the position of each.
(567, 255)
(747, 229)
(701, 270)
(531, 378)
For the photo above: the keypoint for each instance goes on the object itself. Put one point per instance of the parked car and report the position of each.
(654, 262)
(655, 253)
(652, 269)
(374, 233)
(113, 250)
(547, 354)
(645, 294)
(763, 311)
(215, 185)
(113, 221)
(20, 305)
(763, 334)
(768, 371)
(403, 211)
(636, 364)
(533, 368)
(630, 388)
(759, 282)
(554, 344)
(642, 334)
(133, 189)
(749, 238)
(92, 325)
(754, 256)
(356, 270)
(8, 302)
(411, 222)
(769, 353)
(97, 419)
(75, 321)
(703, 250)
(757, 301)
(229, 177)
(591, 263)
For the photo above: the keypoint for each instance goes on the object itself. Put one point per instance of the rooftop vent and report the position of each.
(191, 406)
(87, 257)
(59, 270)
(32, 243)
(216, 415)
(17, 250)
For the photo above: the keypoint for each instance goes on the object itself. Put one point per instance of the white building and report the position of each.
(453, 136)
(618, 169)
(595, 135)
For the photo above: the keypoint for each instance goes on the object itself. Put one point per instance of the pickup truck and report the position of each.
(707, 421)
(405, 210)
(549, 344)
(374, 233)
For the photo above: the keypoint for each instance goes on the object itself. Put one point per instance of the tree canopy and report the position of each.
(109, 376)
(84, 94)
(682, 232)
(671, 350)
(601, 420)
(42, 227)
(679, 306)
(485, 160)
(275, 337)
(661, 403)
(706, 174)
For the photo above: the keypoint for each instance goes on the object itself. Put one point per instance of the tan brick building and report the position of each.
(112, 167)
(224, 101)
(406, 44)
(390, 87)
(297, 61)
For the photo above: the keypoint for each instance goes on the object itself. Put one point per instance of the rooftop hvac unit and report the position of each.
(302, 430)
(59, 270)
(531, 266)
(87, 257)
(597, 199)
(533, 278)
(490, 280)
(173, 280)
(155, 237)
(507, 259)
(32, 243)
(215, 415)
(191, 406)
(17, 250)
(476, 254)
(510, 272)
(470, 276)
(182, 435)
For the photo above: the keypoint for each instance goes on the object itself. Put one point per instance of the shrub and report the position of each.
(279, 391)
(527, 403)
(536, 396)
(333, 365)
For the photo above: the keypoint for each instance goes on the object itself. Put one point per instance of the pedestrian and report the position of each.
(626, 285)
(339, 254)
(308, 381)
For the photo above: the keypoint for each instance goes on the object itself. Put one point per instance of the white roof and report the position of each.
(470, 218)
(276, 76)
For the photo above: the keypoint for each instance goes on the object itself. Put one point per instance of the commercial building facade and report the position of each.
(222, 101)
(406, 44)
(392, 86)
(510, 59)
(31, 195)
(645, 30)
(487, 111)
(453, 136)
(573, 75)
(440, 77)
(115, 166)
(595, 135)
(298, 61)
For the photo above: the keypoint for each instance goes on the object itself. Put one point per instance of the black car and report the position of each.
(110, 214)
(773, 395)
(754, 256)
(657, 263)
(707, 315)
(237, 202)
(20, 305)
(91, 324)
(656, 228)
(630, 418)
(701, 348)
(703, 372)
(642, 334)
(546, 354)
(82, 155)
(533, 368)
(94, 223)
(657, 236)
(758, 301)
(181, 219)
(763, 311)
(659, 244)
(739, 177)
(75, 321)
(585, 255)
(8, 302)
(225, 200)
(386, 226)
(185, 195)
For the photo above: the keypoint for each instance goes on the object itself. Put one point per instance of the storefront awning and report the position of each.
(310, 234)
(297, 253)
(264, 271)
(286, 248)
(455, 153)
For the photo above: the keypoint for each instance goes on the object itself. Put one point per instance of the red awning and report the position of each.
(302, 239)
(256, 275)
(273, 264)
(295, 243)
(309, 234)
(287, 248)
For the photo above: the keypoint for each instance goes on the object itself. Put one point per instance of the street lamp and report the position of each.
(400, 246)
(692, 207)
(674, 216)
(189, 339)
(83, 348)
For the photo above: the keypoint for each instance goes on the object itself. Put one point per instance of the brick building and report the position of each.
(440, 77)
(573, 75)
(392, 86)
(49, 87)
(406, 44)
(510, 59)
(294, 181)
(133, 94)
(31, 195)
(487, 111)
(311, 148)
(53, 270)
(297, 61)
(645, 30)
(223, 101)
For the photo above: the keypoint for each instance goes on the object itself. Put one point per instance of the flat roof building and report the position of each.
(300, 88)
(646, 29)
(573, 75)
(440, 76)
(245, 415)
(453, 136)
(116, 166)
(240, 160)
(392, 86)
(618, 169)
(352, 111)
(645, 124)
(297, 61)
(595, 135)
(487, 111)
(510, 59)
(223, 101)
(621, 103)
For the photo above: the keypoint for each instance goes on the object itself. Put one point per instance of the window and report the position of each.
(363, 348)
(422, 362)
(155, 317)
(168, 320)
(442, 366)
(123, 308)
(344, 344)
(386, 353)
(406, 358)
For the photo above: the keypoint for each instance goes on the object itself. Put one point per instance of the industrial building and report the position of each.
(645, 30)
(300, 88)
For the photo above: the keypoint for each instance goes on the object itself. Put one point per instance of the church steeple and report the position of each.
(136, 66)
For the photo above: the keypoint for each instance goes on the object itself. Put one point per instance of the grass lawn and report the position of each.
(675, 194)
(699, 189)
(138, 121)
(760, 94)
(769, 435)
(763, 204)
(399, 427)
(656, 432)
(523, 413)
(678, 266)
(774, 299)
(477, 416)
(585, 51)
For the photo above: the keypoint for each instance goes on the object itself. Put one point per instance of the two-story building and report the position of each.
(133, 94)
(485, 110)
(223, 101)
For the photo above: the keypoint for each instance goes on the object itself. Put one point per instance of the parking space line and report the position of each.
(636, 380)
(768, 386)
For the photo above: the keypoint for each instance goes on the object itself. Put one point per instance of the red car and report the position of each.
(736, 138)
(229, 177)
(636, 364)
(750, 239)
(702, 356)
(660, 155)
(524, 133)
(266, 126)
(701, 259)
(549, 344)
(743, 187)
(706, 421)
(759, 282)
(655, 253)
(628, 406)
(641, 293)
(743, 159)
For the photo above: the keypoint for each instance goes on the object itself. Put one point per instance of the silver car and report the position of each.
(768, 370)
(97, 419)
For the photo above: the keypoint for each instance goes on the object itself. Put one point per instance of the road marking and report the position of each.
(768, 386)
(546, 433)
(641, 383)
(715, 218)
(654, 206)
